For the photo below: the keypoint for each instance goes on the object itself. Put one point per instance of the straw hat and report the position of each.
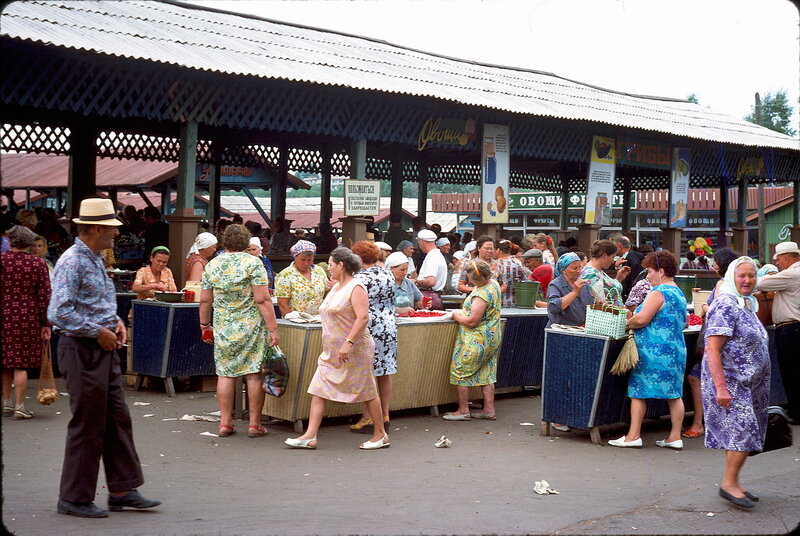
(97, 211)
(785, 247)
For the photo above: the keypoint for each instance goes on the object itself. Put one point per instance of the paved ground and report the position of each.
(482, 484)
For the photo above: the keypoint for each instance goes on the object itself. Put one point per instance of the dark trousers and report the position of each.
(100, 424)
(787, 342)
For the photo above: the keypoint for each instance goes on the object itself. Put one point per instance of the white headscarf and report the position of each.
(255, 241)
(202, 241)
(729, 286)
(396, 259)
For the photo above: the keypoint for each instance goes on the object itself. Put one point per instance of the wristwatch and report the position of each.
(348, 340)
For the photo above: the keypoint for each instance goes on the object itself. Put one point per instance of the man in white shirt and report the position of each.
(432, 275)
(786, 315)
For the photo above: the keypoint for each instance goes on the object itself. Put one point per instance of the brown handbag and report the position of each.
(764, 313)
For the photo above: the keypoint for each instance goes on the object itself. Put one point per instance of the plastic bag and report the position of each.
(275, 372)
(47, 392)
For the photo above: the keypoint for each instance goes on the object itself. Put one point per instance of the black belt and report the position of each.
(787, 323)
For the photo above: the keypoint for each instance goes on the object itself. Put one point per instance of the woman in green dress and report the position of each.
(236, 284)
(478, 343)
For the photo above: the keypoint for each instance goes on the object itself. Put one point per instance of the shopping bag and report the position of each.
(606, 319)
(47, 392)
(628, 357)
(275, 372)
(779, 433)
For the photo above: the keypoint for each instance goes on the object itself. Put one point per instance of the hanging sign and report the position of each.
(442, 131)
(239, 175)
(494, 174)
(643, 153)
(362, 198)
(550, 200)
(679, 188)
(600, 184)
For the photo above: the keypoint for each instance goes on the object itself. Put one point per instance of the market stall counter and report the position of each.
(522, 350)
(578, 389)
(425, 348)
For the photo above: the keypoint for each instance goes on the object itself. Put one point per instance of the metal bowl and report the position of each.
(172, 297)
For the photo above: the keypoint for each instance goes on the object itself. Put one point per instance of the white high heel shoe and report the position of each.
(379, 444)
(301, 443)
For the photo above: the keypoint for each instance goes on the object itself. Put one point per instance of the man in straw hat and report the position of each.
(786, 315)
(84, 308)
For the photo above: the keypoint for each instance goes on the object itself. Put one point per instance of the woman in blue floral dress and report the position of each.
(658, 325)
(379, 283)
(735, 377)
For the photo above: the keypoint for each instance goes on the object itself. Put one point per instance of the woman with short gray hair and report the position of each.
(25, 295)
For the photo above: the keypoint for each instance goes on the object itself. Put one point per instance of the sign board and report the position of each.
(446, 131)
(548, 200)
(643, 153)
(679, 188)
(494, 174)
(362, 198)
(239, 175)
(600, 183)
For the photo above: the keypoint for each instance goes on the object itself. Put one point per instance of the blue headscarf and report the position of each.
(563, 261)
(767, 269)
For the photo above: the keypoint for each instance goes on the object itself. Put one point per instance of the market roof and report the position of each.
(52, 171)
(216, 41)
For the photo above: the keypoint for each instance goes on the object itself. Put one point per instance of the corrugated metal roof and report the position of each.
(221, 42)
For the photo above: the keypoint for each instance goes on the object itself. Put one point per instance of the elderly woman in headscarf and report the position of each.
(200, 253)
(255, 250)
(568, 294)
(301, 286)
(407, 296)
(735, 377)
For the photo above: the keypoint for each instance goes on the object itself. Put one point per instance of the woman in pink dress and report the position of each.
(345, 369)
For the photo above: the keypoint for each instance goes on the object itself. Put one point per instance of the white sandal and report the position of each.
(379, 444)
(301, 443)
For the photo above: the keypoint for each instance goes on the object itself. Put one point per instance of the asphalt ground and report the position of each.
(482, 484)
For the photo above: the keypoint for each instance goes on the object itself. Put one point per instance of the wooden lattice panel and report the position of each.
(35, 139)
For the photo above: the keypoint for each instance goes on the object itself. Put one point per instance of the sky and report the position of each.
(723, 51)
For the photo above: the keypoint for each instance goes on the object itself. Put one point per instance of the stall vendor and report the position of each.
(255, 249)
(203, 249)
(301, 286)
(567, 294)
(154, 278)
(407, 296)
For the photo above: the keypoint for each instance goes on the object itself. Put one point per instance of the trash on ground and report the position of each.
(141, 403)
(149, 415)
(526, 424)
(205, 418)
(64, 394)
(710, 514)
(443, 443)
(542, 487)
(218, 413)
(170, 419)
(209, 434)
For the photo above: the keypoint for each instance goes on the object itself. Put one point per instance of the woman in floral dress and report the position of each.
(477, 344)
(24, 296)
(379, 283)
(301, 285)
(601, 286)
(735, 377)
(244, 329)
(658, 325)
(344, 369)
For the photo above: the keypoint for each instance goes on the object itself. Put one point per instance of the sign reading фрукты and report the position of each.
(362, 198)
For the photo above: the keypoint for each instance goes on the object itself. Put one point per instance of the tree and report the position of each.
(776, 112)
(693, 99)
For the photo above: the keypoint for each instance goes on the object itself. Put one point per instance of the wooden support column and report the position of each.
(740, 234)
(183, 223)
(166, 193)
(723, 238)
(588, 233)
(422, 193)
(396, 191)
(278, 190)
(112, 195)
(214, 190)
(795, 231)
(626, 206)
(563, 229)
(82, 167)
(354, 228)
(326, 209)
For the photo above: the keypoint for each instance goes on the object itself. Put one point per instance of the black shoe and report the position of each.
(133, 499)
(80, 509)
(741, 502)
(752, 496)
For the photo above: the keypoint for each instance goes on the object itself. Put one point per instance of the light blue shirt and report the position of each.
(83, 300)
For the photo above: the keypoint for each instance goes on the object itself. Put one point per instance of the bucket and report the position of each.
(686, 283)
(699, 297)
(525, 293)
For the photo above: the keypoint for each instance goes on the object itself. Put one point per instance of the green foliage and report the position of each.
(693, 98)
(776, 113)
